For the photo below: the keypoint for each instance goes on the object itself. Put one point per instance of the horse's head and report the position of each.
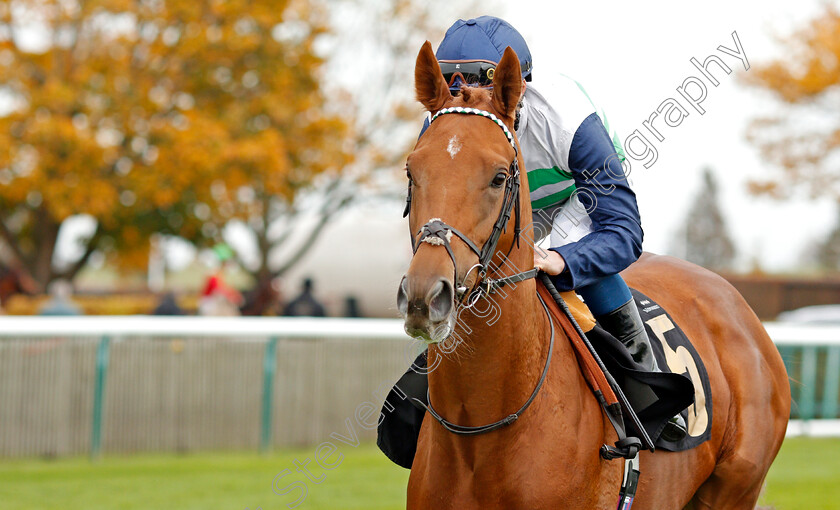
(461, 184)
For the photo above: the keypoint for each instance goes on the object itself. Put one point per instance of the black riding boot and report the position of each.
(625, 324)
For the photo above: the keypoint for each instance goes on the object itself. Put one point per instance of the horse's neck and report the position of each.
(501, 355)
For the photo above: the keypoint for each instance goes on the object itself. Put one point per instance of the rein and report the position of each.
(465, 430)
(438, 233)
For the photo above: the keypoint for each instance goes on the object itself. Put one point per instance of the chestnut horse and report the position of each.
(548, 458)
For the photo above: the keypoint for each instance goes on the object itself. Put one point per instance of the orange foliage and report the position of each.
(140, 114)
(804, 142)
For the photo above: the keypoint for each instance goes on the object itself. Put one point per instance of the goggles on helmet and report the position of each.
(476, 73)
(472, 72)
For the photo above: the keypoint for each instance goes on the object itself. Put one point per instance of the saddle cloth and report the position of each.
(656, 397)
(682, 386)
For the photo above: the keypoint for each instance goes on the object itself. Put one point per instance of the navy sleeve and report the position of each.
(616, 238)
(425, 127)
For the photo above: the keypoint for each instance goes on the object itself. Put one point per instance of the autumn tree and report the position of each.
(157, 117)
(371, 49)
(803, 140)
(705, 238)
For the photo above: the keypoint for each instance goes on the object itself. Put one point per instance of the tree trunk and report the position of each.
(92, 243)
(45, 239)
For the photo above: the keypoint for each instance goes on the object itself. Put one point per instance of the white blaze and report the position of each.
(454, 146)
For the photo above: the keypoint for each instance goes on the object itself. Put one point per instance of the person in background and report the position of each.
(168, 306)
(263, 299)
(60, 302)
(218, 298)
(305, 305)
(351, 307)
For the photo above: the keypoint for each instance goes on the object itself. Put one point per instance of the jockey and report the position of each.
(579, 192)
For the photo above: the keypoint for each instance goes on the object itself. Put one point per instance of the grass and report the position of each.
(365, 479)
(806, 475)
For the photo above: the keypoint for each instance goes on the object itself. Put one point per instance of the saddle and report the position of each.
(682, 386)
(616, 380)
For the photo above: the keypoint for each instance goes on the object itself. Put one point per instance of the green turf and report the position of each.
(806, 475)
(363, 480)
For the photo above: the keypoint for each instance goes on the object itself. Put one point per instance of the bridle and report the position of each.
(436, 232)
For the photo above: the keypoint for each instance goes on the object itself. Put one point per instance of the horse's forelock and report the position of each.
(474, 97)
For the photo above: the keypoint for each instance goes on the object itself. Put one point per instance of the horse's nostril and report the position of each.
(402, 297)
(441, 301)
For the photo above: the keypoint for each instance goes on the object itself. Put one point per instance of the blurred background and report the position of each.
(245, 158)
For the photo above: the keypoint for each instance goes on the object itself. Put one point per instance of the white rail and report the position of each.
(242, 327)
(784, 333)
(186, 380)
(296, 327)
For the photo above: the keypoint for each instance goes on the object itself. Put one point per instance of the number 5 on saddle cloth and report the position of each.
(655, 397)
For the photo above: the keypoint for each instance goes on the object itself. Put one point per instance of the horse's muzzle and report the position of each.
(428, 315)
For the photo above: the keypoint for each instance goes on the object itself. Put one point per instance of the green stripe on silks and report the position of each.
(99, 396)
(554, 199)
(269, 369)
(601, 113)
(540, 177)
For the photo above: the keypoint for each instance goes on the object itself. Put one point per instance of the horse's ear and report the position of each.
(429, 84)
(507, 84)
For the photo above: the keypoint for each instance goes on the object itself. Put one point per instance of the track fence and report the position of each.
(71, 386)
(84, 385)
(812, 357)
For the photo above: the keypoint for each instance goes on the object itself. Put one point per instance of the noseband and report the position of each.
(438, 233)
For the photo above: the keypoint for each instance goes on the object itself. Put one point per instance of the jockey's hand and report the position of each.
(550, 262)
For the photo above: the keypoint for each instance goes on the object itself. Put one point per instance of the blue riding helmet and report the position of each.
(482, 39)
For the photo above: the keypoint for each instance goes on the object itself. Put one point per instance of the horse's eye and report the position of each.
(499, 180)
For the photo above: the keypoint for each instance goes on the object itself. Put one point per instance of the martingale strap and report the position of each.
(507, 420)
